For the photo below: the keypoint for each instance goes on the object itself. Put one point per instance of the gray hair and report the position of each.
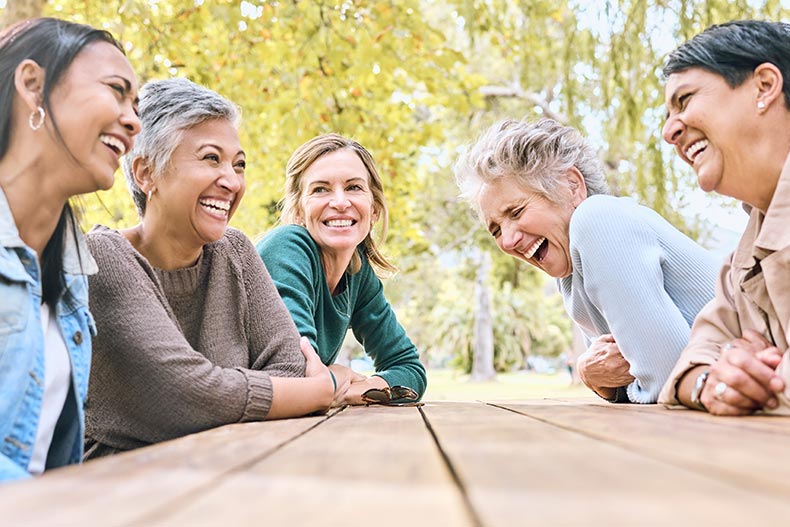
(167, 108)
(537, 154)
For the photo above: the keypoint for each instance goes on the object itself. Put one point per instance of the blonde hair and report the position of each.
(309, 153)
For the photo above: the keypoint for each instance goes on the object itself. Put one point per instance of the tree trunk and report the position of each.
(16, 10)
(483, 352)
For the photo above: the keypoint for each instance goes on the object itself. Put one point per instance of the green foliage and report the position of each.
(404, 78)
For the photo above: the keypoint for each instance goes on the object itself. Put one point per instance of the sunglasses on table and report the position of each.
(395, 396)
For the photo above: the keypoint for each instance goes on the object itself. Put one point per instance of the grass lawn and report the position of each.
(449, 385)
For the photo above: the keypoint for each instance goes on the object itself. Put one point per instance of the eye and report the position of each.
(683, 101)
(214, 158)
(355, 186)
(495, 232)
(515, 213)
(119, 89)
(318, 190)
(241, 165)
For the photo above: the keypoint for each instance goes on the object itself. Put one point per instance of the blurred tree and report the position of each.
(412, 80)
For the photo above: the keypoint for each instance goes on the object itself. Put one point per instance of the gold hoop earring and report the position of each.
(39, 114)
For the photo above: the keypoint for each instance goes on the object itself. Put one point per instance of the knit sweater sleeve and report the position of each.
(147, 383)
(621, 263)
(293, 265)
(376, 327)
(272, 335)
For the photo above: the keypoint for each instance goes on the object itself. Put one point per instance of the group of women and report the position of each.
(662, 321)
(190, 326)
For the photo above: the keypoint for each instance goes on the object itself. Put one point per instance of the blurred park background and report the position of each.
(413, 81)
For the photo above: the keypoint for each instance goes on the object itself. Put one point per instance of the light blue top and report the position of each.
(640, 279)
(22, 349)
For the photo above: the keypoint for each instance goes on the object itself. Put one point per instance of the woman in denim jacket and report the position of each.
(67, 113)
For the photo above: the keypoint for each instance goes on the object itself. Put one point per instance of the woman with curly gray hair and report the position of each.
(629, 280)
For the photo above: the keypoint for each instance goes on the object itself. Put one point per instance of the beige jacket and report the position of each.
(753, 291)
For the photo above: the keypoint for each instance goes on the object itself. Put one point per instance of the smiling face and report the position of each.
(528, 226)
(336, 204)
(202, 187)
(712, 127)
(94, 105)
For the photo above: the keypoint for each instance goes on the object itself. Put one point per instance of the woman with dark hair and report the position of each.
(324, 261)
(728, 116)
(67, 113)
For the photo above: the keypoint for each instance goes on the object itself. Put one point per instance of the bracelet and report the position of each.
(334, 381)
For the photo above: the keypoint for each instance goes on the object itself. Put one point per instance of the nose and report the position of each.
(509, 236)
(231, 180)
(672, 130)
(339, 201)
(131, 121)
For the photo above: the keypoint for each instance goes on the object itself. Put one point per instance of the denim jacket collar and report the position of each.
(77, 259)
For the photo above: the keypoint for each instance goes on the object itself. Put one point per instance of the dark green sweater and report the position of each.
(294, 262)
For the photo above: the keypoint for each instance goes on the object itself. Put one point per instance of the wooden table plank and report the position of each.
(121, 489)
(518, 470)
(366, 466)
(746, 452)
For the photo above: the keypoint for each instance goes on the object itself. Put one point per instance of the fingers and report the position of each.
(307, 349)
(771, 357)
(606, 337)
(756, 339)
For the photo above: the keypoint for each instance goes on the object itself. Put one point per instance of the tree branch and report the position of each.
(515, 91)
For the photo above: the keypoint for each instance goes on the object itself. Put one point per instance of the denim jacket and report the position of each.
(22, 349)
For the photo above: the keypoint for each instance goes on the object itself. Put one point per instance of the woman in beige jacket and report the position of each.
(728, 116)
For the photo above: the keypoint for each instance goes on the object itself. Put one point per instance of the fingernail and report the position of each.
(772, 403)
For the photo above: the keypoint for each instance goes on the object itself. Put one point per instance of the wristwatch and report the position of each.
(699, 384)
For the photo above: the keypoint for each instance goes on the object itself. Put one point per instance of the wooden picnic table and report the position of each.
(541, 462)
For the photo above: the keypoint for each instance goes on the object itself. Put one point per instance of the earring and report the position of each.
(760, 105)
(39, 114)
(150, 194)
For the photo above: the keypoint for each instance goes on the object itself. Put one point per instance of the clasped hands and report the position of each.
(746, 375)
(602, 368)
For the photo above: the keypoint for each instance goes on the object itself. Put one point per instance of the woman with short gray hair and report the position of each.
(191, 331)
(629, 280)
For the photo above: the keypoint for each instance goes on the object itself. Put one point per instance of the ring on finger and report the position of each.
(719, 389)
(726, 347)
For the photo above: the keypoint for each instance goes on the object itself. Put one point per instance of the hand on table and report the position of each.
(743, 379)
(344, 377)
(352, 394)
(602, 368)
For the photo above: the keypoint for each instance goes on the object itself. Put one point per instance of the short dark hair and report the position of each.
(733, 51)
(52, 44)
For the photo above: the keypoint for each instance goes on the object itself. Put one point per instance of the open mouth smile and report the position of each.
(216, 206)
(695, 148)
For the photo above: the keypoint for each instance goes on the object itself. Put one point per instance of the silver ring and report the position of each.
(727, 347)
(719, 389)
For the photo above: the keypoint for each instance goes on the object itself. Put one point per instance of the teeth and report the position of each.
(113, 142)
(691, 152)
(531, 252)
(222, 205)
(339, 223)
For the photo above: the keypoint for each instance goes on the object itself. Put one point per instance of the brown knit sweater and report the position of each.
(182, 351)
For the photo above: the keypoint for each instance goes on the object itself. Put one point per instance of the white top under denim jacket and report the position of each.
(22, 348)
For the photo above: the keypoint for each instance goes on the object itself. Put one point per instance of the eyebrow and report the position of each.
(349, 180)
(212, 145)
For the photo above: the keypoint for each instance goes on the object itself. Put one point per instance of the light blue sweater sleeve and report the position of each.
(644, 282)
